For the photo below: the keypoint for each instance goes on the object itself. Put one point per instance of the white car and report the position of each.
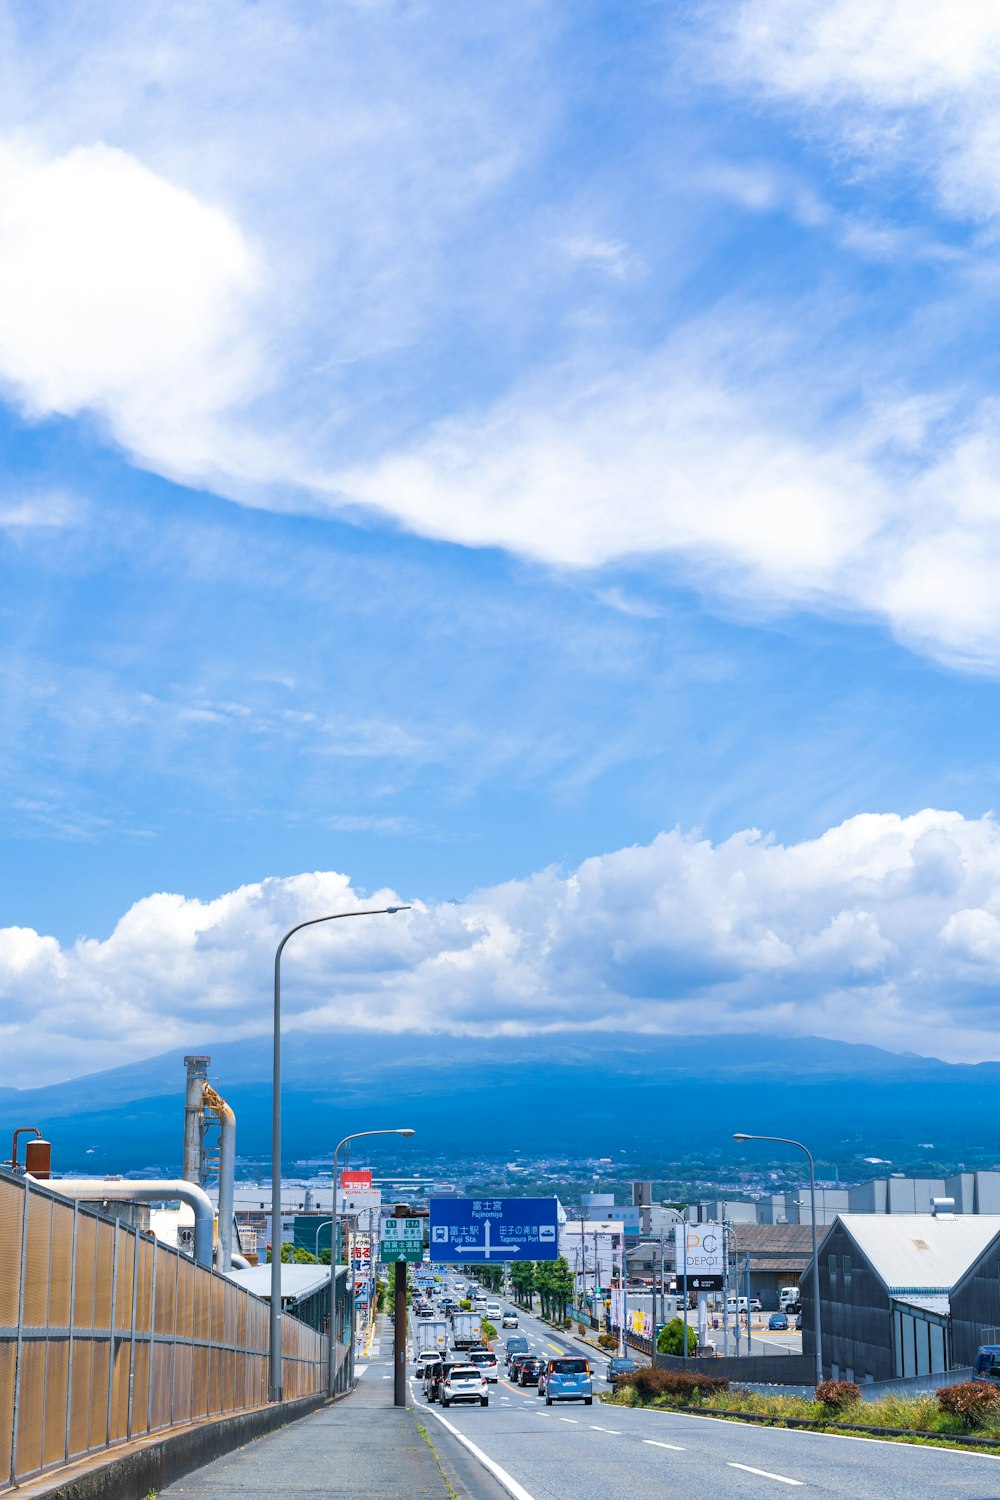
(509, 1320)
(494, 1312)
(464, 1383)
(486, 1361)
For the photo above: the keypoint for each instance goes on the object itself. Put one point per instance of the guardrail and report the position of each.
(107, 1335)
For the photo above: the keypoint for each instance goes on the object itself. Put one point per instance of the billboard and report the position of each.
(355, 1180)
(701, 1252)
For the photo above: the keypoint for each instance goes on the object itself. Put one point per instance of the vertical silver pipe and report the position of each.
(227, 1179)
(197, 1075)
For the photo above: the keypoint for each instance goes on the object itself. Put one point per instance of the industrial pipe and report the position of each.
(122, 1190)
(223, 1112)
(239, 1262)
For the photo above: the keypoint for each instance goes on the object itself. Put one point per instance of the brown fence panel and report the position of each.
(106, 1334)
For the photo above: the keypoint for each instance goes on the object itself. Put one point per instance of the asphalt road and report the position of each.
(617, 1453)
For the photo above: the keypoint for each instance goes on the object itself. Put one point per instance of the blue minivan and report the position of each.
(566, 1379)
(987, 1366)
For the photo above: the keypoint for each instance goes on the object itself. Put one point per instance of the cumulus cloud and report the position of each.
(885, 929)
(123, 295)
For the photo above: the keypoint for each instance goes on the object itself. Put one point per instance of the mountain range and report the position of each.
(647, 1098)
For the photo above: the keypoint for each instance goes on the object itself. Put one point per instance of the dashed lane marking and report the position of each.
(765, 1474)
(611, 1431)
(674, 1447)
(575, 1420)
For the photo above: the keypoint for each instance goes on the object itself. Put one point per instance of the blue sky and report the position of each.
(443, 447)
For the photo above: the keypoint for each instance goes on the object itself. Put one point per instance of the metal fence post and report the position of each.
(20, 1334)
(131, 1346)
(152, 1343)
(111, 1331)
(72, 1312)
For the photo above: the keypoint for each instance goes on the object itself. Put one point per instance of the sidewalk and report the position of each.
(358, 1447)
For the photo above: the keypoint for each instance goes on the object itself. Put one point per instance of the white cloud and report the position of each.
(913, 81)
(122, 295)
(884, 930)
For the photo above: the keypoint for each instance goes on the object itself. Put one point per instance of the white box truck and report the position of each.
(466, 1329)
(431, 1334)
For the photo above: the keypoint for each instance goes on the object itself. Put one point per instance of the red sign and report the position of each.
(355, 1181)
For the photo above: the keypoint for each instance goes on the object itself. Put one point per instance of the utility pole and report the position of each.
(399, 1335)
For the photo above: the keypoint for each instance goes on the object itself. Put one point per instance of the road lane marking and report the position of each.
(674, 1447)
(509, 1483)
(556, 1348)
(611, 1431)
(574, 1420)
(765, 1474)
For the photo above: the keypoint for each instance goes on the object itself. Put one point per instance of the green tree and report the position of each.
(670, 1339)
(523, 1283)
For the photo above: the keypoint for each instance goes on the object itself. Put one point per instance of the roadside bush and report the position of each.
(670, 1339)
(676, 1385)
(465, 1305)
(608, 1341)
(974, 1402)
(488, 1330)
(838, 1395)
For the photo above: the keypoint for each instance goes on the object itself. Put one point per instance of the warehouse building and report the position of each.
(904, 1295)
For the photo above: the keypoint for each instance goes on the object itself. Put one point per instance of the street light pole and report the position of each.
(332, 1370)
(319, 1230)
(784, 1140)
(274, 1320)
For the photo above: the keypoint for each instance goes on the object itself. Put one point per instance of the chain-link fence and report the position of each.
(106, 1335)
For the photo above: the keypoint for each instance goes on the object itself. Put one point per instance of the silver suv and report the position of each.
(464, 1383)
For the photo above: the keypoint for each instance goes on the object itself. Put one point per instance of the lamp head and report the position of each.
(738, 1135)
(392, 910)
(406, 1132)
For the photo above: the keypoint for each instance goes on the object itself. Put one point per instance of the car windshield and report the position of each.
(569, 1367)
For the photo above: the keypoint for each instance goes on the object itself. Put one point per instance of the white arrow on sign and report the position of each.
(485, 1248)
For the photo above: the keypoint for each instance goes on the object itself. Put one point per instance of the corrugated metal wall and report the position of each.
(106, 1335)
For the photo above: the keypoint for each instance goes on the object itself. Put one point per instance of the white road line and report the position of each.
(674, 1447)
(765, 1474)
(611, 1431)
(574, 1420)
(510, 1484)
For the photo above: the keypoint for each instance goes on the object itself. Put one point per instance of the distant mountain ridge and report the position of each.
(577, 1093)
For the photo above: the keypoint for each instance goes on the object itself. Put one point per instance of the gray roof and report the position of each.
(940, 1304)
(918, 1252)
(296, 1281)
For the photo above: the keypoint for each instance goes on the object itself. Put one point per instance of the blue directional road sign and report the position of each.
(477, 1230)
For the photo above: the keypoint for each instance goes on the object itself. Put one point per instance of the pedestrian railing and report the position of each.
(106, 1335)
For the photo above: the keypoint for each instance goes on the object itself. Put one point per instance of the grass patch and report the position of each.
(452, 1493)
(931, 1419)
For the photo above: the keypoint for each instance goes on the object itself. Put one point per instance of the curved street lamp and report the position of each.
(784, 1140)
(357, 1135)
(274, 1321)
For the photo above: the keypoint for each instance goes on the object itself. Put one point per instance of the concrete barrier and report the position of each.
(789, 1369)
(131, 1472)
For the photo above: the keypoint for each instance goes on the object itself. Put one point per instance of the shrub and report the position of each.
(608, 1341)
(670, 1339)
(465, 1305)
(838, 1395)
(676, 1385)
(488, 1330)
(973, 1401)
